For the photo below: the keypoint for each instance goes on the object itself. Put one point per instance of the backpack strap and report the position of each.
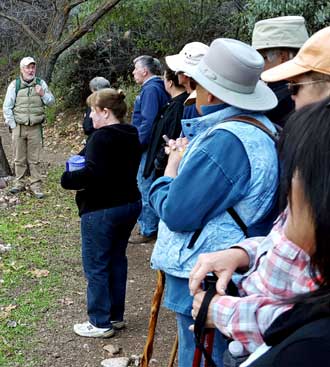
(275, 137)
(17, 84)
(254, 122)
(233, 213)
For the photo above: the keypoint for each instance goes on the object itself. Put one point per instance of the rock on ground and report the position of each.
(116, 362)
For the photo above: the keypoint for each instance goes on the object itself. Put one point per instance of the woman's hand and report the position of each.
(197, 302)
(222, 263)
(175, 150)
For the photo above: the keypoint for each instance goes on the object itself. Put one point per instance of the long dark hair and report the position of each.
(305, 148)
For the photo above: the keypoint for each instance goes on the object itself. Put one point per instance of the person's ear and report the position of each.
(106, 112)
(210, 98)
(284, 56)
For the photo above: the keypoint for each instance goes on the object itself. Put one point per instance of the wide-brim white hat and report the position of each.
(187, 58)
(230, 71)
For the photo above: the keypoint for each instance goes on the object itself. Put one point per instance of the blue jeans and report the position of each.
(186, 347)
(105, 236)
(148, 219)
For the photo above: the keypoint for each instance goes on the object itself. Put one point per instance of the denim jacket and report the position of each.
(252, 201)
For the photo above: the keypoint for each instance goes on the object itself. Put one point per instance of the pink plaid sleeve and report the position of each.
(250, 245)
(246, 319)
(281, 270)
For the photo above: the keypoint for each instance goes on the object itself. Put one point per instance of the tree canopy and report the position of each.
(47, 25)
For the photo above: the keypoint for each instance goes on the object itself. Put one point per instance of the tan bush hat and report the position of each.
(289, 31)
(187, 58)
(313, 56)
(230, 70)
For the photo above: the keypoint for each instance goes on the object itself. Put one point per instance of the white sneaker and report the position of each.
(91, 331)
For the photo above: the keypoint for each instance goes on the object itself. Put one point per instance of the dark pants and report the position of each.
(105, 235)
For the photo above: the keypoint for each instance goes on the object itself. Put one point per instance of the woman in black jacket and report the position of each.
(167, 123)
(109, 203)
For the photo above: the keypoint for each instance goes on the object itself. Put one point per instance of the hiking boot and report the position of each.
(16, 189)
(118, 325)
(36, 191)
(90, 331)
(140, 238)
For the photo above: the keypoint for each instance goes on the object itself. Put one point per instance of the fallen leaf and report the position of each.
(39, 273)
(6, 311)
(66, 301)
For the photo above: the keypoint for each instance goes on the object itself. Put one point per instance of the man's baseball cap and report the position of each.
(286, 32)
(27, 61)
(313, 56)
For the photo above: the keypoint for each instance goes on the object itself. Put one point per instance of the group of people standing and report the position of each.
(220, 191)
(198, 169)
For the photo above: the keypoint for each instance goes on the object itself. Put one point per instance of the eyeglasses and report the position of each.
(294, 87)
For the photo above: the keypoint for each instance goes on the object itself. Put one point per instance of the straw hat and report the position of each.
(313, 56)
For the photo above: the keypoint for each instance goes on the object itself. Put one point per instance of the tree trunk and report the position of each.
(4, 165)
(53, 42)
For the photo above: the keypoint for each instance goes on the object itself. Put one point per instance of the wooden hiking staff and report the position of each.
(173, 351)
(155, 305)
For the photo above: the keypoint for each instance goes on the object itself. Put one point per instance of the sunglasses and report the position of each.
(294, 87)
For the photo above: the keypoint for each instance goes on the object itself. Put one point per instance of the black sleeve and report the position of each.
(88, 123)
(173, 131)
(96, 165)
(303, 353)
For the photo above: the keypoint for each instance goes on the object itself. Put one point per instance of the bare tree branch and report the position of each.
(26, 1)
(74, 3)
(25, 28)
(86, 26)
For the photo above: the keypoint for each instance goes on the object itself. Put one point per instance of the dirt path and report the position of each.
(57, 345)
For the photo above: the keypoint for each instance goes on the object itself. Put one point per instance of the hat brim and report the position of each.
(285, 71)
(176, 63)
(262, 99)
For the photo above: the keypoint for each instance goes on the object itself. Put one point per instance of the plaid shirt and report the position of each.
(280, 270)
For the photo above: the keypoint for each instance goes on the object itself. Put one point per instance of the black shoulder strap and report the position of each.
(235, 217)
(238, 220)
(199, 327)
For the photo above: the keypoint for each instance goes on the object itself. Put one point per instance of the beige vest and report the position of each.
(29, 108)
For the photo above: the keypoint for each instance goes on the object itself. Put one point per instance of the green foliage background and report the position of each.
(155, 27)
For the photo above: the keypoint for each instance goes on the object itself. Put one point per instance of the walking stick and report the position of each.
(173, 351)
(156, 300)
